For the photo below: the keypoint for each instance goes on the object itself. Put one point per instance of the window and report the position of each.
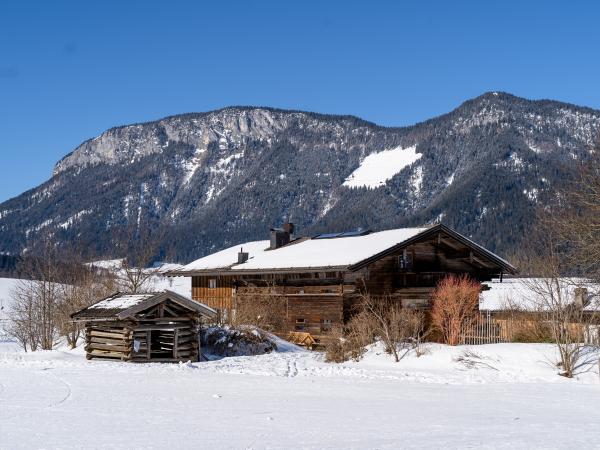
(325, 325)
(212, 283)
(405, 262)
(300, 324)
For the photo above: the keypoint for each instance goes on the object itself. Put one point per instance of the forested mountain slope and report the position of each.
(209, 180)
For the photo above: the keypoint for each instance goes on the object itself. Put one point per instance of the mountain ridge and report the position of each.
(212, 179)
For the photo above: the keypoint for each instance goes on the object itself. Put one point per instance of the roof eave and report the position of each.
(216, 272)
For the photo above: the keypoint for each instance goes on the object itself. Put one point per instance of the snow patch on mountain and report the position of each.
(190, 167)
(531, 194)
(377, 168)
(5, 213)
(74, 218)
(416, 180)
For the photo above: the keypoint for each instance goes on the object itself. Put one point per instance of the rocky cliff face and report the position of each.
(214, 179)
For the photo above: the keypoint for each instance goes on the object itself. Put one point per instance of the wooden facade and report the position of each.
(161, 327)
(315, 300)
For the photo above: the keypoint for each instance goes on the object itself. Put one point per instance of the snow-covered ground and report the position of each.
(7, 285)
(503, 396)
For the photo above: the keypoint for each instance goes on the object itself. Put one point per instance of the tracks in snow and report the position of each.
(292, 368)
(61, 381)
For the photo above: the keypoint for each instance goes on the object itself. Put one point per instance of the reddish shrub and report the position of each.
(455, 304)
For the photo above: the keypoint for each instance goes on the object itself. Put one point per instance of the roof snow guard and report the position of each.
(121, 306)
(347, 251)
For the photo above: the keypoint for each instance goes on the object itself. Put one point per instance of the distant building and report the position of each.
(539, 295)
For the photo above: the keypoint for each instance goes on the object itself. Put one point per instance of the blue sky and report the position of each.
(70, 70)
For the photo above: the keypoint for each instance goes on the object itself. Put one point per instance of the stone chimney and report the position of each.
(242, 256)
(281, 236)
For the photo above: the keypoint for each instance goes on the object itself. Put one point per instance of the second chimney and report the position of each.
(281, 236)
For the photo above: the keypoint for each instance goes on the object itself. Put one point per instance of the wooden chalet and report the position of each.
(156, 327)
(319, 279)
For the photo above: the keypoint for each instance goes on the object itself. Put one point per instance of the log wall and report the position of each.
(108, 340)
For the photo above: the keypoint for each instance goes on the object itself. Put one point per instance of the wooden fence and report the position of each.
(485, 330)
(489, 330)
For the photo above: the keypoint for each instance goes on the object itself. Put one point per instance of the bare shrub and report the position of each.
(454, 307)
(531, 329)
(335, 348)
(240, 341)
(261, 307)
(400, 329)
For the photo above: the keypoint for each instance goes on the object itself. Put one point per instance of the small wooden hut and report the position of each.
(155, 327)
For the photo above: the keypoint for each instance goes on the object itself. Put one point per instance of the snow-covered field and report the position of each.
(503, 396)
(491, 396)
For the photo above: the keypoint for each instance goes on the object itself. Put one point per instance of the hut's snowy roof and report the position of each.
(304, 253)
(122, 301)
(120, 305)
(536, 294)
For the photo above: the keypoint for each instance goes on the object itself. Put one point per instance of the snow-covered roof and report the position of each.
(121, 301)
(108, 264)
(304, 253)
(536, 294)
(120, 306)
(166, 267)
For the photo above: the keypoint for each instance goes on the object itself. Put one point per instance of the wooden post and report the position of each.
(198, 328)
(175, 339)
(148, 351)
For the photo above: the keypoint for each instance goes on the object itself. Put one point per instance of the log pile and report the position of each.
(111, 341)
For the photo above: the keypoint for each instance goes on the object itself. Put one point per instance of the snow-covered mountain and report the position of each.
(210, 180)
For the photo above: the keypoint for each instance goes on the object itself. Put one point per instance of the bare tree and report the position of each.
(36, 298)
(139, 245)
(562, 303)
(84, 286)
(135, 279)
(568, 305)
(23, 318)
(574, 220)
